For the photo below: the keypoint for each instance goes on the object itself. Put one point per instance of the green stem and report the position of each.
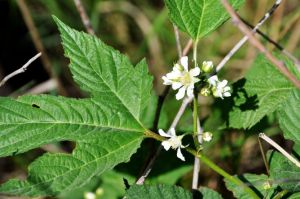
(195, 51)
(281, 194)
(195, 108)
(195, 118)
(209, 163)
(223, 173)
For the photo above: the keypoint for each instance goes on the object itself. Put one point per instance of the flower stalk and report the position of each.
(210, 164)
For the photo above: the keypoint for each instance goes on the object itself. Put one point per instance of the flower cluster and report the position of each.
(184, 80)
(219, 88)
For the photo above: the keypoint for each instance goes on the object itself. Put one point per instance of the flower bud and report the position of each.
(267, 185)
(207, 66)
(89, 195)
(205, 91)
(207, 136)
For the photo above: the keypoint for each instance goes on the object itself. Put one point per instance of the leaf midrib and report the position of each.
(70, 123)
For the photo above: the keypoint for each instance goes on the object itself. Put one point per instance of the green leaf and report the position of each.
(107, 128)
(263, 91)
(199, 17)
(294, 196)
(172, 176)
(289, 117)
(157, 192)
(284, 172)
(210, 193)
(261, 184)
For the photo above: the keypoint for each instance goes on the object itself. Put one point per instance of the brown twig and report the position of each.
(256, 43)
(20, 70)
(178, 44)
(187, 47)
(38, 43)
(84, 18)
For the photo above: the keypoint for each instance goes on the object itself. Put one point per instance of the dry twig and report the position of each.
(256, 43)
(84, 18)
(280, 149)
(20, 70)
(245, 38)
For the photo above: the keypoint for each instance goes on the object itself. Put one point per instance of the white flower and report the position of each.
(207, 136)
(173, 142)
(219, 88)
(182, 78)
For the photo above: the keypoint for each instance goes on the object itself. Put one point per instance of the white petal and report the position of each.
(172, 132)
(180, 93)
(184, 61)
(190, 91)
(179, 154)
(213, 80)
(176, 85)
(166, 144)
(162, 133)
(227, 94)
(227, 88)
(195, 71)
(223, 83)
(208, 63)
(173, 75)
(177, 68)
(166, 81)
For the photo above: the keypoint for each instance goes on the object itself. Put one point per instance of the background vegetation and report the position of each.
(139, 28)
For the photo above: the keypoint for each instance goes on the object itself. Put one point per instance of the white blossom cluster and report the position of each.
(184, 80)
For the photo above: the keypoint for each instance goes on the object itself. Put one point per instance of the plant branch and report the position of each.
(245, 38)
(211, 164)
(256, 43)
(84, 18)
(280, 149)
(263, 156)
(177, 38)
(187, 47)
(277, 45)
(223, 173)
(20, 70)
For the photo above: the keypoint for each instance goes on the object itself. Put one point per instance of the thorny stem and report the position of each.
(210, 164)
